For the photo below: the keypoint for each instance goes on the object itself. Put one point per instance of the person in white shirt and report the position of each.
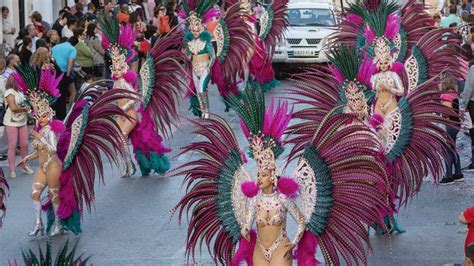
(67, 31)
(7, 28)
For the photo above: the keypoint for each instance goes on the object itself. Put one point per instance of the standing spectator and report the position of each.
(8, 29)
(449, 98)
(455, 38)
(54, 37)
(464, 28)
(93, 42)
(161, 20)
(468, 7)
(109, 7)
(64, 55)
(84, 55)
(467, 104)
(42, 59)
(124, 15)
(60, 22)
(90, 15)
(150, 10)
(70, 25)
(134, 7)
(12, 61)
(25, 51)
(15, 124)
(436, 20)
(79, 11)
(3, 138)
(40, 25)
(74, 9)
(452, 18)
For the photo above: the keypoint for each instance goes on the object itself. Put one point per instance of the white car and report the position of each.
(305, 39)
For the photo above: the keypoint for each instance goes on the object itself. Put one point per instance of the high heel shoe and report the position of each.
(39, 228)
(57, 229)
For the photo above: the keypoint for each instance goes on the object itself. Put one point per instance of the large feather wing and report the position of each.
(273, 24)
(422, 144)
(3, 195)
(90, 132)
(430, 57)
(343, 187)
(164, 80)
(213, 190)
(233, 38)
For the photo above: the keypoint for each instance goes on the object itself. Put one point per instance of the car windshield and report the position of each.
(304, 17)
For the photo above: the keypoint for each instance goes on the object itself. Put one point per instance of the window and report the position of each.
(311, 17)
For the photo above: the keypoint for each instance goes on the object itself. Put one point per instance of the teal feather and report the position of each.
(225, 47)
(50, 217)
(225, 213)
(405, 131)
(160, 164)
(150, 82)
(73, 223)
(271, 16)
(324, 201)
(404, 45)
(194, 106)
(422, 64)
(68, 160)
(143, 163)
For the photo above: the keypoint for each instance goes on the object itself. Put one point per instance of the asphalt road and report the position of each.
(131, 223)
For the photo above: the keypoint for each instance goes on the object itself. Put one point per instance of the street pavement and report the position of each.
(131, 222)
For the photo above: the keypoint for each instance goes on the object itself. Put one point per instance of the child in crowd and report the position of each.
(88, 79)
(450, 99)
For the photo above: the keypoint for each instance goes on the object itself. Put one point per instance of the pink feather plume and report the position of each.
(305, 252)
(393, 26)
(245, 251)
(249, 188)
(288, 186)
(337, 74)
(276, 120)
(366, 70)
(369, 34)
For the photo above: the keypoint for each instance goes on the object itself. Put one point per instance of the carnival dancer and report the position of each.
(223, 63)
(41, 92)
(267, 28)
(153, 112)
(69, 154)
(224, 201)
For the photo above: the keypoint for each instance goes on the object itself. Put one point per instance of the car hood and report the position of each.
(305, 32)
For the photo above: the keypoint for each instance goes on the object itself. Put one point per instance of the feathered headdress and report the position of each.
(116, 35)
(40, 87)
(196, 12)
(263, 127)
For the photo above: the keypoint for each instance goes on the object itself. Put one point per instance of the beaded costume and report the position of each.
(223, 202)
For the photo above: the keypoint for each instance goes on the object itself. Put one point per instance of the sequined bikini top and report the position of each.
(267, 205)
